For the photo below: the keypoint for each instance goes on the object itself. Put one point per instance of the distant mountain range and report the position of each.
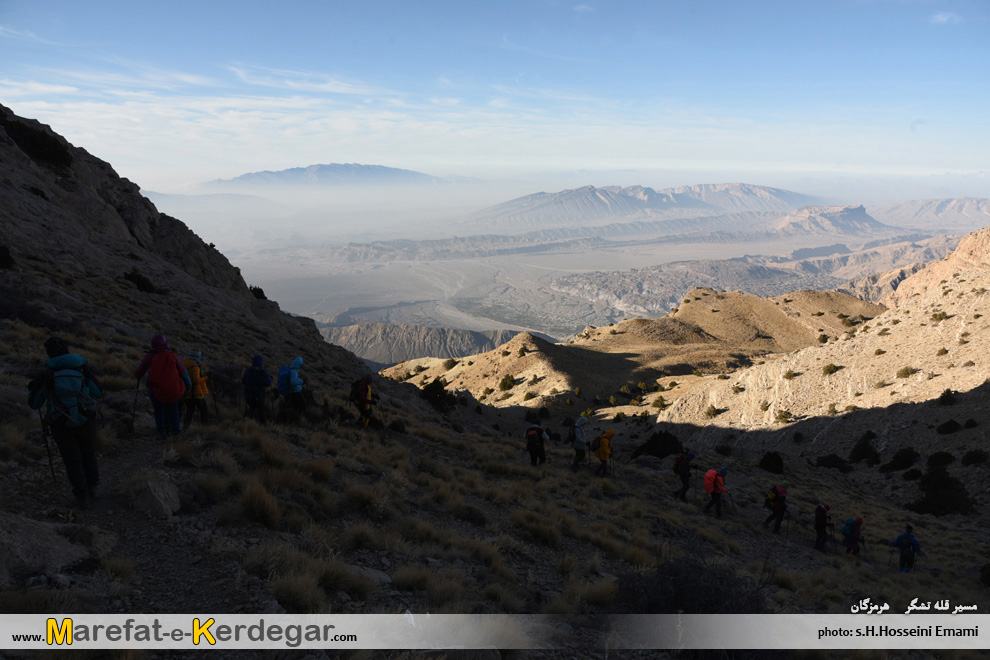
(333, 174)
(592, 206)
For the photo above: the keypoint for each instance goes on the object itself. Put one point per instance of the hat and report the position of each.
(691, 454)
(724, 469)
(56, 346)
(784, 484)
(858, 521)
(827, 507)
(195, 354)
(158, 342)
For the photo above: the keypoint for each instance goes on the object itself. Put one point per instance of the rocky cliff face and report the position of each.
(387, 344)
(81, 248)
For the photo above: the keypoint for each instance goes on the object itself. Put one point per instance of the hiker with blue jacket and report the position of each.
(295, 396)
(579, 442)
(70, 389)
(908, 547)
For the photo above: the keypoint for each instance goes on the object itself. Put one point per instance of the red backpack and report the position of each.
(163, 377)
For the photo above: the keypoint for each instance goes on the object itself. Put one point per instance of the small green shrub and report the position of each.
(507, 383)
(906, 372)
(829, 369)
(784, 416)
(711, 411)
(789, 374)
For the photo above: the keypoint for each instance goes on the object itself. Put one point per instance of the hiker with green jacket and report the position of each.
(70, 389)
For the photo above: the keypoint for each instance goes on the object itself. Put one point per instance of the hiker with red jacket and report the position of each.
(536, 439)
(167, 383)
(822, 522)
(776, 501)
(364, 399)
(715, 485)
(69, 388)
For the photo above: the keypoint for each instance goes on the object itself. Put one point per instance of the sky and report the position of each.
(177, 93)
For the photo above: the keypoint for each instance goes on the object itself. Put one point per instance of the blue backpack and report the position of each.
(283, 381)
(68, 391)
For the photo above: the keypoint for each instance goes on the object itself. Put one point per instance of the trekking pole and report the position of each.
(890, 557)
(44, 438)
(731, 501)
(787, 532)
(137, 389)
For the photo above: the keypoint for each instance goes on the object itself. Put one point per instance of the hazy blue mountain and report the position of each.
(332, 174)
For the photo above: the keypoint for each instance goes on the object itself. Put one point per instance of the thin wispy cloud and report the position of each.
(945, 18)
(137, 77)
(584, 9)
(302, 81)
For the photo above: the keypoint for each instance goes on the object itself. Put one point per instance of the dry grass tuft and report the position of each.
(259, 505)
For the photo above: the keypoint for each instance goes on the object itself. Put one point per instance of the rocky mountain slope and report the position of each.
(711, 332)
(658, 289)
(387, 343)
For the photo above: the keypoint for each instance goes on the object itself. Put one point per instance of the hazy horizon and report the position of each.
(808, 98)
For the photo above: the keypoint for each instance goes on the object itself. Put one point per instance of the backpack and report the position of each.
(596, 443)
(359, 393)
(571, 434)
(533, 436)
(283, 381)
(677, 463)
(257, 383)
(769, 497)
(68, 392)
(163, 377)
(847, 528)
(905, 545)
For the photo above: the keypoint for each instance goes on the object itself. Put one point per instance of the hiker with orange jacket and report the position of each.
(604, 451)
(196, 395)
(167, 383)
(715, 485)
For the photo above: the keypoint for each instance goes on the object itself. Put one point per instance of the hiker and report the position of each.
(196, 395)
(776, 501)
(536, 439)
(362, 397)
(167, 383)
(70, 388)
(682, 468)
(852, 535)
(603, 452)
(578, 441)
(822, 522)
(290, 385)
(908, 547)
(256, 382)
(715, 485)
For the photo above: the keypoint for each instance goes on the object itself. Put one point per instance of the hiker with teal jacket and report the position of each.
(70, 390)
